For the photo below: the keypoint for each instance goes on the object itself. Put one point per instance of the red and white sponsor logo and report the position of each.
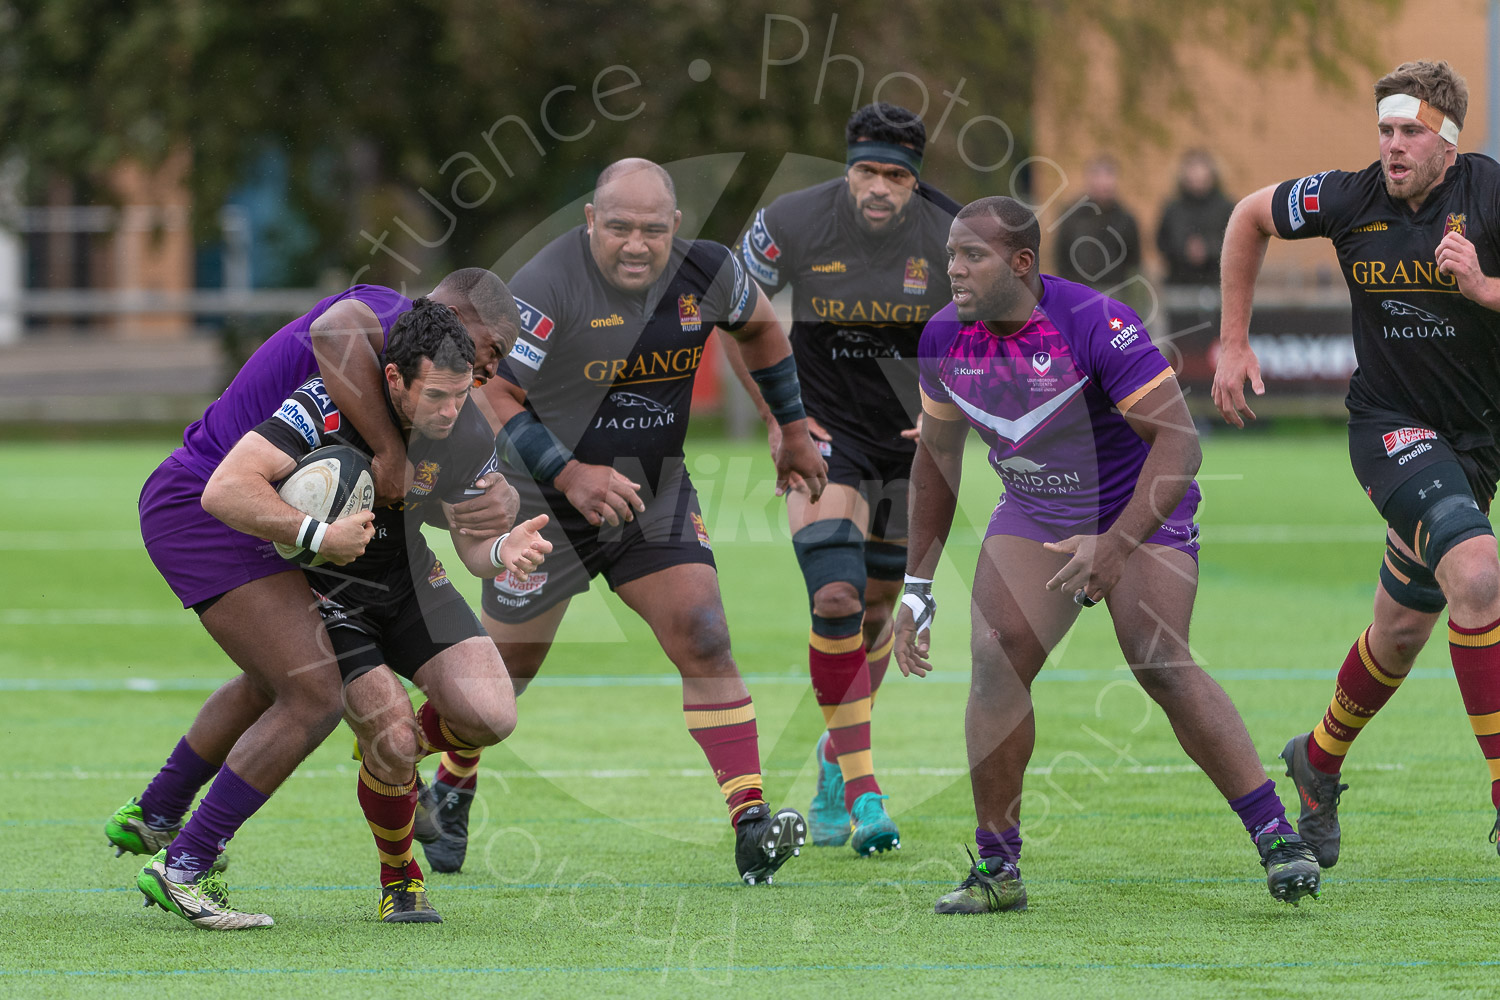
(509, 583)
(1405, 437)
(1117, 324)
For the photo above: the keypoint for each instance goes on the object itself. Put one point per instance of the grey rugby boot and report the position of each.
(1318, 798)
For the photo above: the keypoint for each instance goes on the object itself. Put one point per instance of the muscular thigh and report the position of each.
(270, 627)
(1152, 605)
(1016, 620)
(838, 501)
(683, 607)
(467, 679)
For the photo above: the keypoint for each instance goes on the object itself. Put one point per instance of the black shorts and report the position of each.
(883, 479)
(669, 533)
(395, 621)
(1387, 448)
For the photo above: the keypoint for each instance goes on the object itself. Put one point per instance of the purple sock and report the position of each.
(229, 802)
(167, 798)
(1005, 845)
(1261, 810)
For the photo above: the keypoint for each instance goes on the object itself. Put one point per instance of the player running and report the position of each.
(1418, 237)
(861, 254)
(1089, 433)
(254, 730)
(594, 405)
(388, 605)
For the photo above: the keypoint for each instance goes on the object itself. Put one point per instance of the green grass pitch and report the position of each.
(601, 863)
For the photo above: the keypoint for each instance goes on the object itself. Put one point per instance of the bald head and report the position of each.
(631, 222)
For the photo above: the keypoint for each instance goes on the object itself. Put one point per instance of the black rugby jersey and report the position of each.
(442, 469)
(611, 372)
(859, 302)
(1423, 348)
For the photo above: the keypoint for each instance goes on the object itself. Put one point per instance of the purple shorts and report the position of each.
(1179, 532)
(197, 554)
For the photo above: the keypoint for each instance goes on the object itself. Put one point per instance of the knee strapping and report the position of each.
(831, 551)
(885, 560)
(1451, 520)
(1409, 583)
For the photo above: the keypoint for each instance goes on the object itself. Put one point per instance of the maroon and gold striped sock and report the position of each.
(1476, 664)
(436, 735)
(458, 770)
(728, 736)
(1362, 689)
(841, 684)
(389, 810)
(879, 659)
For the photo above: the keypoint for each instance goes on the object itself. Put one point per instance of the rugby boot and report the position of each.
(873, 829)
(1495, 831)
(827, 816)
(1318, 796)
(1291, 865)
(128, 832)
(202, 902)
(993, 886)
(424, 825)
(763, 842)
(405, 902)
(448, 807)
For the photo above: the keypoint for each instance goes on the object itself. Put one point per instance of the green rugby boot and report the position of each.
(764, 842)
(203, 902)
(986, 891)
(405, 902)
(1318, 796)
(873, 829)
(128, 831)
(1291, 865)
(827, 818)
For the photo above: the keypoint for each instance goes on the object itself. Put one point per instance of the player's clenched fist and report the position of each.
(347, 537)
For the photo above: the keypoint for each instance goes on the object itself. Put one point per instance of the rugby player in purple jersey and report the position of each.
(1088, 431)
(254, 730)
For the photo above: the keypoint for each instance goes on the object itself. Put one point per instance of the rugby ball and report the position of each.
(329, 483)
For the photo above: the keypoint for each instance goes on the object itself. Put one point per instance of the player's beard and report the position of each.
(1423, 177)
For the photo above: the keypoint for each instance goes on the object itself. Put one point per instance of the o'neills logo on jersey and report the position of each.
(613, 319)
(1457, 222)
(688, 313)
(1403, 438)
(510, 583)
(915, 280)
(1371, 227)
(832, 267)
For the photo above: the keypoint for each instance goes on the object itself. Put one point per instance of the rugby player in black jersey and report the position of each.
(864, 254)
(1418, 237)
(593, 404)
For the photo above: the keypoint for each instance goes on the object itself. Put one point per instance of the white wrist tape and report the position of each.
(495, 551)
(310, 533)
(1407, 106)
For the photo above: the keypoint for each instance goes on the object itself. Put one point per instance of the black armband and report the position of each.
(779, 388)
(526, 443)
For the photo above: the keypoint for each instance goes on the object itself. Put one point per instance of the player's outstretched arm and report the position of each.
(240, 493)
(768, 355)
(1245, 240)
(773, 429)
(936, 470)
(519, 551)
(1161, 418)
(347, 341)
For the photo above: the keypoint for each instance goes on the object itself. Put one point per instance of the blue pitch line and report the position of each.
(820, 967)
(1047, 676)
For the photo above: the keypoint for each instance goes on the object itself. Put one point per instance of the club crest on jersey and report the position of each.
(1041, 362)
(915, 281)
(699, 528)
(1457, 222)
(688, 313)
(437, 576)
(533, 321)
(425, 479)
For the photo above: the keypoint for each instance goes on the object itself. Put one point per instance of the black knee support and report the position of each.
(1434, 511)
(1409, 583)
(831, 551)
(885, 560)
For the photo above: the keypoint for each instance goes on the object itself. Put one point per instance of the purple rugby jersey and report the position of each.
(1047, 399)
(273, 373)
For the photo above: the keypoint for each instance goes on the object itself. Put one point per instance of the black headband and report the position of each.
(875, 151)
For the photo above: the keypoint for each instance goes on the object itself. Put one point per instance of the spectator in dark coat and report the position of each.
(1191, 234)
(1099, 243)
